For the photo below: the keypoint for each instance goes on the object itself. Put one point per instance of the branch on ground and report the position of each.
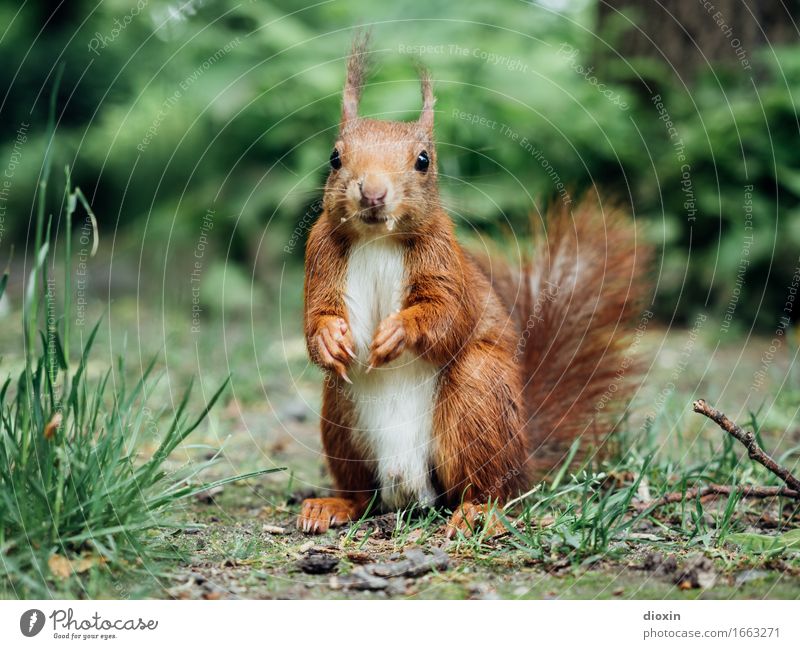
(749, 440)
(756, 453)
(713, 491)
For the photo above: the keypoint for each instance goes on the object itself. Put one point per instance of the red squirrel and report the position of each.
(450, 378)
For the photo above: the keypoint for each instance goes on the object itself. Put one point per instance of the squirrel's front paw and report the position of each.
(334, 344)
(319, 514)
(389, 341)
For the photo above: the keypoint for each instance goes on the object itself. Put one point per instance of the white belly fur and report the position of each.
(394, 403)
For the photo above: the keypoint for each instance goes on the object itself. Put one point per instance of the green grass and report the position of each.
(76, 491)
(583, 518)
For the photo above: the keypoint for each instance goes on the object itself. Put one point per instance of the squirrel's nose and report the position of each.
(372, 195)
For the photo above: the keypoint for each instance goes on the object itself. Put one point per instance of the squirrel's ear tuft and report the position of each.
(357, 64)
(428, 100)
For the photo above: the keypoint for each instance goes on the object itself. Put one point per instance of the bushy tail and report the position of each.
(581, 320)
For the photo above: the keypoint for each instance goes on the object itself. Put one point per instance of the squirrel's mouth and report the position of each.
(373, 215)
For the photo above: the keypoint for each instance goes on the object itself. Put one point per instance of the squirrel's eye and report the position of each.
(423, 161)
(336, 161)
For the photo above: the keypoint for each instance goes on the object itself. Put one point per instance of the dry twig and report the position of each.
(749, 440)
(712, 491)
(756, 453)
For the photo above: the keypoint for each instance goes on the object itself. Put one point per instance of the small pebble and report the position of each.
(274, 529)
(318, 563)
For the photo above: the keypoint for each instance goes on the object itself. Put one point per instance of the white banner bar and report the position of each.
(406, 624)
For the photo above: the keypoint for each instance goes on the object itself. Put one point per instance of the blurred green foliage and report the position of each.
(171, 109)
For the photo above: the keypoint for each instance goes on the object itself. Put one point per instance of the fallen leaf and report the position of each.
(59, 566)
(85, 563)
(52, 425)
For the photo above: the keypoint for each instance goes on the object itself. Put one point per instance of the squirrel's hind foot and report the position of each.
(317, 515)
(470, 517)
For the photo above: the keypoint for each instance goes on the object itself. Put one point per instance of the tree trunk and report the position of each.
(687, 36)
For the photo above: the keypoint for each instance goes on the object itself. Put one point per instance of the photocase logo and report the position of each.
(31, 622)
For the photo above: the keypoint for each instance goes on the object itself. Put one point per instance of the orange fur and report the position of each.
(518, 369)
(581, 293)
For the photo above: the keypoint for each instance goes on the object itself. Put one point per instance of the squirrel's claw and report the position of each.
(329, 361)
(389, 341)
(317, 515)
(335, 346)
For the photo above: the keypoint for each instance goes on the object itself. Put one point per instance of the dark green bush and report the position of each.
(250, 130)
